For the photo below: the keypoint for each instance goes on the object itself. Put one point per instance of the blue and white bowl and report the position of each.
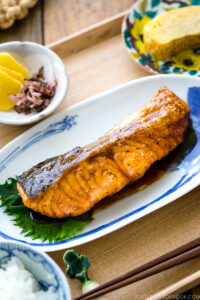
(43, 268)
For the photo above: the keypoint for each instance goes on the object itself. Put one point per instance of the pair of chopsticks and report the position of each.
(169, 260)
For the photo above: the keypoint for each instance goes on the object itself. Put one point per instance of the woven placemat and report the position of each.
(11, 10)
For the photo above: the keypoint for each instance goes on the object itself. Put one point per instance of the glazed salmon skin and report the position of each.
(72, 183)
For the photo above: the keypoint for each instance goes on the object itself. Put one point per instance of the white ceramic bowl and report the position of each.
(43, 268)
(33, 56)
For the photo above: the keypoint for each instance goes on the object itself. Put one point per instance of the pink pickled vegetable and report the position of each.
(35, 94)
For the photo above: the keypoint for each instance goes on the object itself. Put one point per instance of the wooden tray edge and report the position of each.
(90, 36)
(179, 287)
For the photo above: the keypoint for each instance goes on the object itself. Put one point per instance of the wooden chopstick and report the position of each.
(171, 259)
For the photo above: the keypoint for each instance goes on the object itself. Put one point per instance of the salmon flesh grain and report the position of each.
(72, 183)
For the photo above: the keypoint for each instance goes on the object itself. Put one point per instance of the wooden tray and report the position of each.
(96, 60)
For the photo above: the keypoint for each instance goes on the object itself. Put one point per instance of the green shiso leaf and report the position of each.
(51, 232)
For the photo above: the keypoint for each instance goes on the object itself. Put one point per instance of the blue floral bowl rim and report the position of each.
(57, 269)
(122, 30)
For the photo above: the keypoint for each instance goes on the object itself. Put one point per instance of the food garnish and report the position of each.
(77, 268)
(35, 94)
(51, 232)
(173, 32)
(71, 184)
(20, 91)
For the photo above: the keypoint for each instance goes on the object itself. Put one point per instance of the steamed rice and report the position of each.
(16, 283)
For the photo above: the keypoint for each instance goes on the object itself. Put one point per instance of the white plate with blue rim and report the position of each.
(33, 56)
(84, 123)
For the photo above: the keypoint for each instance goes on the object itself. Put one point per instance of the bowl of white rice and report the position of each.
(27, 274)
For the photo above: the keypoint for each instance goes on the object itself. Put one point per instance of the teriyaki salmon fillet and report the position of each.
(72, 183)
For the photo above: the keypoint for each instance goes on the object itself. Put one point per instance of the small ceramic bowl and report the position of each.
(33, 56)
(43, 268)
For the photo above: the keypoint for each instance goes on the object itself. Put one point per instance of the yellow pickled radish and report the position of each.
(14, 74)
(8, 86)
(6, 60)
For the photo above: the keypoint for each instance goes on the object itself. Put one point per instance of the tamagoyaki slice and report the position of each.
(173, 32)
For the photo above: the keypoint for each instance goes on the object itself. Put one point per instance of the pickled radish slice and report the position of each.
(8, 86)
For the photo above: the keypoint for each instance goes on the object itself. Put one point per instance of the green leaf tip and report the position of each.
(76, 265)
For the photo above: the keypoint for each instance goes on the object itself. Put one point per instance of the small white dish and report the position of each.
(82, 124)
(33, 56)
(42, 267)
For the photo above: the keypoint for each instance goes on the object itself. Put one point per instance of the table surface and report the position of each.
(51, 20)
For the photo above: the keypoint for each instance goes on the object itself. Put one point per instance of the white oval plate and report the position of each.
(84, 123)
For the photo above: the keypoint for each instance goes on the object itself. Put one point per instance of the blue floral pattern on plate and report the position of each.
(65, 124)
